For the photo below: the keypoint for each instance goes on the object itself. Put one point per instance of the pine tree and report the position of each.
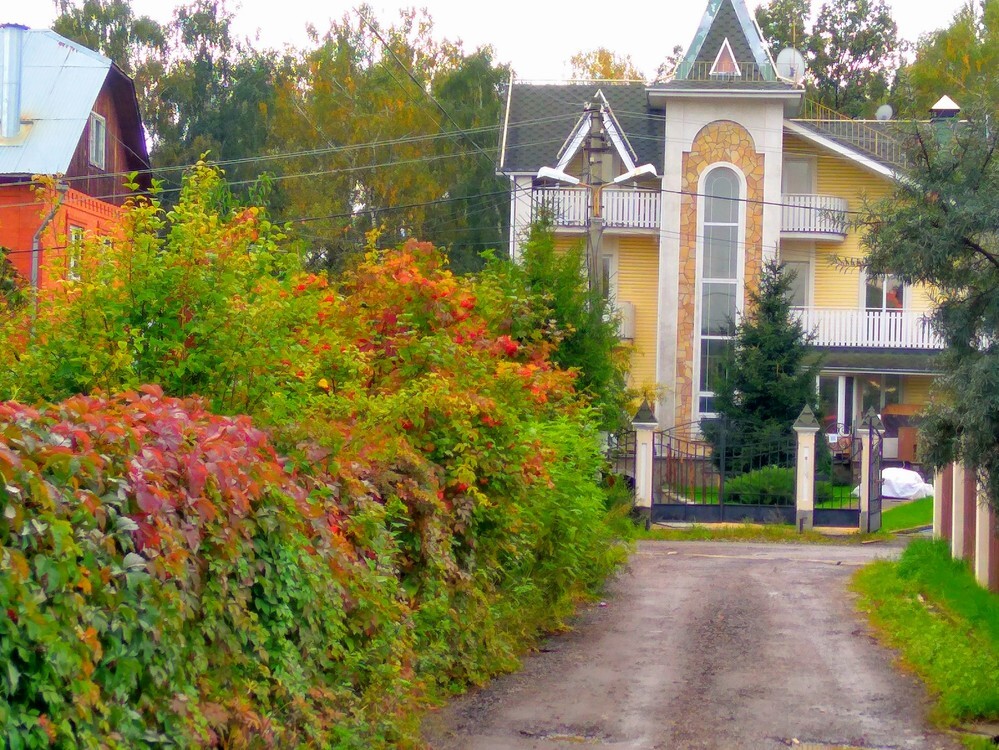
(770, 374)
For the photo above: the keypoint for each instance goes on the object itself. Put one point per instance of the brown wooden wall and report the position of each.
(106, 184)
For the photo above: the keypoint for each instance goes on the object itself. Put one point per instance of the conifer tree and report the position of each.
(770, 375)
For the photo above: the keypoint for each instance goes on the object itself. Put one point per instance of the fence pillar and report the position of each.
(645, 425)
(870, 424)
(985, 547)
(943, 489)
(958, 518)
(805, 428)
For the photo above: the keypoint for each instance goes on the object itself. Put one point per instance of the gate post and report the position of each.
(870, 425)
(805, 428)
(644, 423)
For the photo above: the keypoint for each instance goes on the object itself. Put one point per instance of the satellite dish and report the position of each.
(791, 65)
(885, 112)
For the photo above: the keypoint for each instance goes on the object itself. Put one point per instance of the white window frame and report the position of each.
(74, 252)
(906, 291)
(97, 141)
(812, 163)
(740, 276)
(800, 252)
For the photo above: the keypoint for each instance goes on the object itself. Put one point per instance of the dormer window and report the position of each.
(725, 65)
(98, 140)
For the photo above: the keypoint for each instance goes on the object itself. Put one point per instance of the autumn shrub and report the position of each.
(167, 578)
(404, 491)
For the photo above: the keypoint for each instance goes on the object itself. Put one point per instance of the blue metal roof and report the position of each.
(59, 84)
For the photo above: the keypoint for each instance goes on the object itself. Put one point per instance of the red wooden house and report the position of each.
(69, 113)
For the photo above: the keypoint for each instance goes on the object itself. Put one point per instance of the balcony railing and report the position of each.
(877, 329)
(814, 215)
(631, 209)
(622, 208)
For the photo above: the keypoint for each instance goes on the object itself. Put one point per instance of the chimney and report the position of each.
(11, 47)
(945, 109)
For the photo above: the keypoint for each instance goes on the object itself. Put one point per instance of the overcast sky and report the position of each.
(536, 36)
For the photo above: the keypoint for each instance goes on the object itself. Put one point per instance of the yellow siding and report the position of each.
(638, 283)
(916, 389)
(565, 242)
(837, 283)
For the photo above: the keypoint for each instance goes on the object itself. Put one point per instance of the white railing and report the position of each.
(631, 209)
(566, 207)
(814, 214)
(888, 329)
(622, 209)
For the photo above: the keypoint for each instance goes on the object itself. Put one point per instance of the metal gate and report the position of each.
(701, 473)
(621, 447)
(874, 479)
(837, 478)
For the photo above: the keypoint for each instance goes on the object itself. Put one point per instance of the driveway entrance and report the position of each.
(706, 645)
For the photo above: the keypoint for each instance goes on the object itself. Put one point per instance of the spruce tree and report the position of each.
(769, 375)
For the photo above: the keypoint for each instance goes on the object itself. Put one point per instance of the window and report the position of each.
(74, 248)
(719, 279)
(798, 177)
(799, 271)
(607, 275)
(884, 293)
(98, 140)
(881, 391)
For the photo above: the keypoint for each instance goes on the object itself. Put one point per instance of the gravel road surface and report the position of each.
(706, 645)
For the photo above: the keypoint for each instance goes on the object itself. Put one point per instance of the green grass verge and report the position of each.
(945, 626)
(908, 516)
(752, 532)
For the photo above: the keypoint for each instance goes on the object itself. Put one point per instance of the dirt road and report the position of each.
(706, 645)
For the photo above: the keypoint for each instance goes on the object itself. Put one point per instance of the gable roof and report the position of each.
(601, 108)
(727, 26)
(60, 82)
(540, 120)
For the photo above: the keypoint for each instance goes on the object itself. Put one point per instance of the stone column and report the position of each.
(805, 428)
(645, 425)
(958, 518)
(872, 422)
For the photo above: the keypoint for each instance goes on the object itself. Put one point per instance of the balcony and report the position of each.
(813, 217)
(869, 329)
(622, 208)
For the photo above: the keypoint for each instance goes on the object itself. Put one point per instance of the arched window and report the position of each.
(718, 290)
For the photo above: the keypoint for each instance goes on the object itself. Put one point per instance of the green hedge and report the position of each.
(771, 485)
(167, 579)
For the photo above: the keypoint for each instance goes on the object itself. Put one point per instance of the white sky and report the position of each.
(536, 36)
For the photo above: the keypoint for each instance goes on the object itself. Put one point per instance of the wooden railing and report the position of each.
(814, 214)
(877, 329)
(566, 207)
(622, 208)
(700, 70)
(631, 209)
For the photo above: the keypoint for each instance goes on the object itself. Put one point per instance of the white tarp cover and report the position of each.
(904, 483)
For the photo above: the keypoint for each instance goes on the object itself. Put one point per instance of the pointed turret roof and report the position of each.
(728, 52)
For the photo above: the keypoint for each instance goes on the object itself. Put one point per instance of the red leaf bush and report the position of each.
(404, 492)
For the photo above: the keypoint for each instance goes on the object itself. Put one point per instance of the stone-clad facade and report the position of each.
(718, 142)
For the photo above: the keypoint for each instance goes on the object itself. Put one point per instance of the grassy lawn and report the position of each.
(908, 516)
(946, 627)
(753, 532)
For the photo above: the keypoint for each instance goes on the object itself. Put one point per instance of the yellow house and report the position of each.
(683, 189)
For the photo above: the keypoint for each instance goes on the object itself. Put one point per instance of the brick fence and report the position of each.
(962, 515)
